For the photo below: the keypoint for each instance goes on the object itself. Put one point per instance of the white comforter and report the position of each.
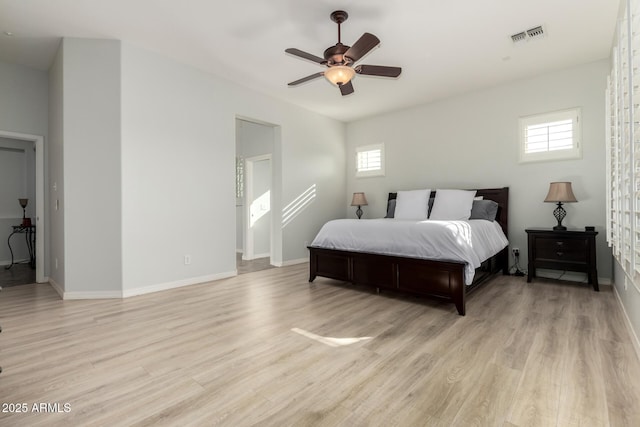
(470, 242)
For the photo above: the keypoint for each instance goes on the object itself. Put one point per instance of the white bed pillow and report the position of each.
(452, 205)
(412, 204)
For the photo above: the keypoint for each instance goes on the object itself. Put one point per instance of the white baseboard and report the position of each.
(177, 284)
(291, 262)
(138, 291)
(93, 295)
(634, 337)
(256, 256)
(264, 255)
(83, 294)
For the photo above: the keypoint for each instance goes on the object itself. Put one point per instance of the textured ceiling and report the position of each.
(445, 47)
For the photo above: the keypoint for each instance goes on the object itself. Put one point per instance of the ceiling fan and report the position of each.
(339, 60)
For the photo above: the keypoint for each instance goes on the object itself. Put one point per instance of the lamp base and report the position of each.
(559, 213)
(359, 212)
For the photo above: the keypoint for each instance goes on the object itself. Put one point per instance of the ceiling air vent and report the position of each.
(522, 36)
(519, 37)
(535, 32)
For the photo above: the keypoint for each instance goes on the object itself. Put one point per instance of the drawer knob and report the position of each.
(559, 243)
(559, 253)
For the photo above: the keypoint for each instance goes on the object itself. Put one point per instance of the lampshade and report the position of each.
(359, 200)
(560, 192)
(339, 74)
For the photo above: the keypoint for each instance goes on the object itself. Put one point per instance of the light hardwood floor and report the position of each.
(258, 264)
(269, 349)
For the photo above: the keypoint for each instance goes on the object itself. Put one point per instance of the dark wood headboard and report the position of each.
(498, 195)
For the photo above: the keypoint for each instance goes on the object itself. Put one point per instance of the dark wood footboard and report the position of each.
(417, 276)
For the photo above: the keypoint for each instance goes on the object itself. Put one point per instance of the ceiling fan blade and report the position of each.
(362, 47)
(304, 55)
(306, 79)
(346, 89)
(378, 70)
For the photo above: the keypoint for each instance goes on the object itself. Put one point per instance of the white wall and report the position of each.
(13, 185)
(92, 183)
(178, 170)
(471, 141)
(55, 189)
(23, 99)
(630, 299)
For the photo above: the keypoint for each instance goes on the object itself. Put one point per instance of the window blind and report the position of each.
(370, 160)
(623, 143)
(549, 136)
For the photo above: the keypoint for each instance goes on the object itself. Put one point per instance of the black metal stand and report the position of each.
(30, 235)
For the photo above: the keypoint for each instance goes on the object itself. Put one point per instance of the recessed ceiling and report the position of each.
(444, 47)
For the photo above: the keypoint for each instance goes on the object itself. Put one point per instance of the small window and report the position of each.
(550, 136)
(370, 160)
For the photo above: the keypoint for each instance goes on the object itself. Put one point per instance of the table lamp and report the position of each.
(359, 200)
(25, 221)
(560, 192)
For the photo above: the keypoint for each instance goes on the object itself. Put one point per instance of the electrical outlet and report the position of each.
(516, 252)
(187, 259)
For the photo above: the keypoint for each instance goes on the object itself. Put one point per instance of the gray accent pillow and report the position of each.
(484, 209)
(391, 208)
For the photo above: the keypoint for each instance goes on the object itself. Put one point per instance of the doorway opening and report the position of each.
(255, 195)
(21, 208)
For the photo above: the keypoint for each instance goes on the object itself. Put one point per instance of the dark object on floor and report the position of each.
(20, 274)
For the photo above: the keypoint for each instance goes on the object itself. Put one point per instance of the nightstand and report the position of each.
(572, 250)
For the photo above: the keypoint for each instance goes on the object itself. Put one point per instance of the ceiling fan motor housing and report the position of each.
(335, 55)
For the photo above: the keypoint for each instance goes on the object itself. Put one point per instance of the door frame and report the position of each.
(38, 141)
(248, 253)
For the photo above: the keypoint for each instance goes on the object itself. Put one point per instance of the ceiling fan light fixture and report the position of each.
(339, 74)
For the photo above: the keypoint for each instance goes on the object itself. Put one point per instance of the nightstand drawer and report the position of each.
(561, 249)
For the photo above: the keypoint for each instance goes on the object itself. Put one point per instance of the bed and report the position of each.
(445, 279)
